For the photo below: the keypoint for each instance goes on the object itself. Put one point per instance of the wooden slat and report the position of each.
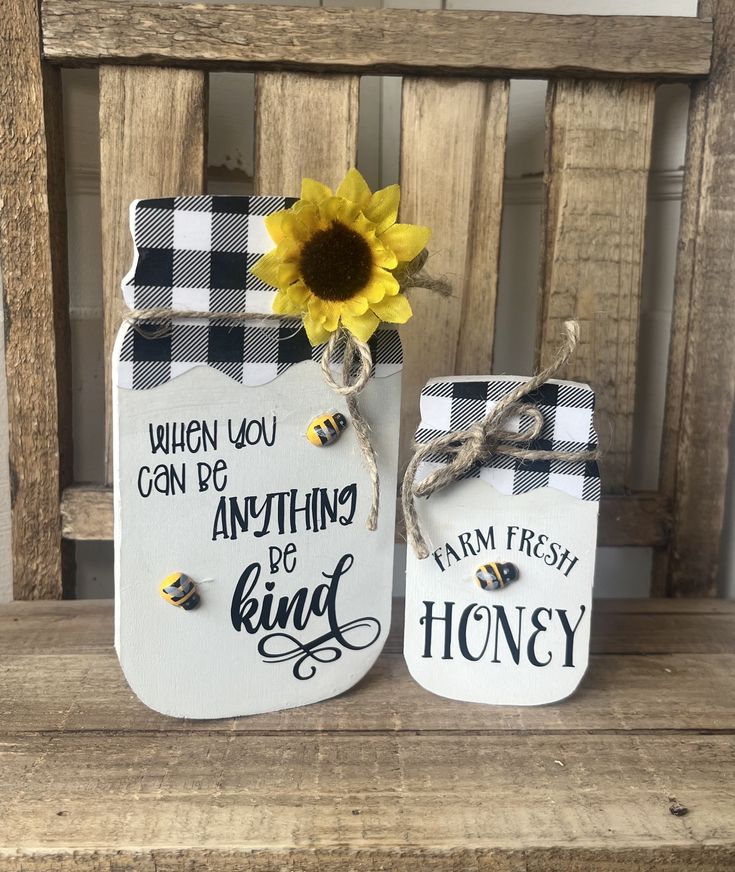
(623, 693)
(86, 512)
(35, 297)
(597, 159)
(701, 377)
(152, 144)
(452, 161)
(375, 40)
(630, 627)
(368, 802)
(305, 126)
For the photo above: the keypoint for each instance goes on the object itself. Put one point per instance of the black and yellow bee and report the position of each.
(326, 429)
(495, 576)
(179, 590)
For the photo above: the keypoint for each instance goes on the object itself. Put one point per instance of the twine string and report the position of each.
(488, 437)
(351, 386)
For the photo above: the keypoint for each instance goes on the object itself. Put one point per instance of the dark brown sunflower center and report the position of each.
(336, 263)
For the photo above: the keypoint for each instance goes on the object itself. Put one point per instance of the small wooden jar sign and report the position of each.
(501, 559)
(246, 580)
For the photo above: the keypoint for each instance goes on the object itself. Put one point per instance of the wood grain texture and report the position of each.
(701, 377)
(371, 41)
(87, 513)
(35, 297)
(453, 136)
(153, 125)
(305, 126)
(638, 520)
(620, 693)
(386, 776)
(598, 144)
(356, 801)
(634, 626)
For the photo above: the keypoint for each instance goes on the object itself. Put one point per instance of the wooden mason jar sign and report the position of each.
(245, 578)
(499, 611)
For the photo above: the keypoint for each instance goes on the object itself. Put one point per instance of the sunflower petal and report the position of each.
(283, 305)
(314, 191)
(383, 207)
(383, 256)
(288, 273)
(332, 209)
(382, 284)
(362, 326)
(274, 224)
(266, 269)
(298, 294)
(326, 312)
(314, 330)
(354, 188)
(396, 310)
(406, 240)
(357, 305)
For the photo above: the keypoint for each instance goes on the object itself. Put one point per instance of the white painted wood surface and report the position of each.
(526, 643)
(620, 571)
(205, 663)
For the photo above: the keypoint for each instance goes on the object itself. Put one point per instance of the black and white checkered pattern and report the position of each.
(195, 253)
(567, 408)
(152, 354)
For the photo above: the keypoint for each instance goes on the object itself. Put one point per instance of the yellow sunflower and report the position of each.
(335, 256)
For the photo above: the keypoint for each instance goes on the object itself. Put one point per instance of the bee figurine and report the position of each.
(495, 576)
(179, 590)
(326, 429)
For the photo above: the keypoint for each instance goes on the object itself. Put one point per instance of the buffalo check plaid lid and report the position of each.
(195, 253)
(567, 407)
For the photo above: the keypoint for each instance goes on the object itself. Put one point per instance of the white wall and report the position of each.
(622, 572)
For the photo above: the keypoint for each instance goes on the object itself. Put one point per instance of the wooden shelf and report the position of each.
(386, 776)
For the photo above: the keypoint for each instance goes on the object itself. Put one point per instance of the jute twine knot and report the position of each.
(490, 436)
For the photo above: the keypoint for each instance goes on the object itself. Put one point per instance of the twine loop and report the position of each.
(490, 436)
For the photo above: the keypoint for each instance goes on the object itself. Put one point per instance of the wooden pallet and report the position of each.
(386, 776)
(153, 60)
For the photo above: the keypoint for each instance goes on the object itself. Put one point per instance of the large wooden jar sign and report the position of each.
(246, 579)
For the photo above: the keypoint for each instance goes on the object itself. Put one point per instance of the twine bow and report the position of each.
(482, 440)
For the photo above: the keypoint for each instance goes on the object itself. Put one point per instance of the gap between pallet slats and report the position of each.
(598, 145)
(453, 135)
(153, 126)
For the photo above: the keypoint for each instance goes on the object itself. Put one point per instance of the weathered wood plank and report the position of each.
(452, 161)
(363, 799)
(622, 693)
(152, 144)
(701, 377)
(35, 297)
(371, 41)
(305, 126)
(701, 858)
(635, 626)
(86, 513)
(598, 145)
